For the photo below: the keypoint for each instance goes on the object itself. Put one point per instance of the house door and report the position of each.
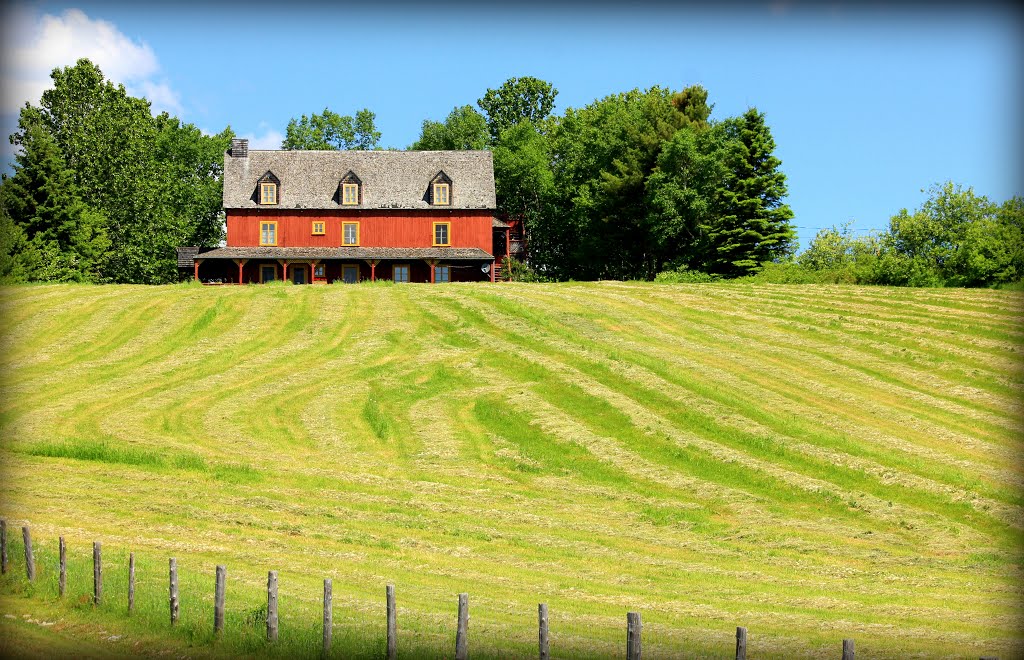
(350, 274)
(268, 273)
(299, 274)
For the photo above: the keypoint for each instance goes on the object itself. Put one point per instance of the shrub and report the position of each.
(683, 275)
(514, 270)
(791, 272)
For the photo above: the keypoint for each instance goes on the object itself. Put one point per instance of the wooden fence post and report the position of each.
(97, 573)
(741, 643)
(218, 600)
(62, 581)
(542, 626)
(174, 590)
(30, 560)
(3, 547)
(328, 615)
(131, 582)
(461, 642)
(272, 606)
(633, 629)
(847, 649)
(389, 591)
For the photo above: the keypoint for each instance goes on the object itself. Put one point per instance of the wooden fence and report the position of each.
(634, 625)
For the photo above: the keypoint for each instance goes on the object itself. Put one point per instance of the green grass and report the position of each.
(814, 463)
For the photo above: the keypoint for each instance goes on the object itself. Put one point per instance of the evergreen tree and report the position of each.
(41, 198)
(98, 156)
(752, 224)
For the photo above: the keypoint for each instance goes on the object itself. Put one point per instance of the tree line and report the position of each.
(103, 190)
(637, 185)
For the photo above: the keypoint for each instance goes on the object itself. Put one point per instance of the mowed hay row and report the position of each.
(813, 463)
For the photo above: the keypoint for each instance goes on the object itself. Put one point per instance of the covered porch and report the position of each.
(343, 265)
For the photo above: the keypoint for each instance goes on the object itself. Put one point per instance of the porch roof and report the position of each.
(352, 253)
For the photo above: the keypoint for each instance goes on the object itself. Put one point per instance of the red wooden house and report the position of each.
(326, 216)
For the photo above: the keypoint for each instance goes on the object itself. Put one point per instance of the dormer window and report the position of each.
(350, 190)
(442, 194)
(268, 190)
(440, 190)
(268, 193)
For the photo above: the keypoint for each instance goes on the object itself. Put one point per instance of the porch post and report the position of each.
(284, 271)
(492, 271)
(508, 241)
(240, 262)
(373, 270)
(195, 265)
(432, 263)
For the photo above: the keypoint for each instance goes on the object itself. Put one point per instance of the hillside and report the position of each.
(813, 463)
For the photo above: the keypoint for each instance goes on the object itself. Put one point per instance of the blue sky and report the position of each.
(867, 106)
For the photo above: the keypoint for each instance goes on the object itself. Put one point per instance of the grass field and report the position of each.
(812, 463)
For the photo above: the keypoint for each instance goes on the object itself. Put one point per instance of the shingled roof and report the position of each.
(389, 179)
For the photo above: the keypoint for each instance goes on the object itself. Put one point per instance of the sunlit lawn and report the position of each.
(813, 463)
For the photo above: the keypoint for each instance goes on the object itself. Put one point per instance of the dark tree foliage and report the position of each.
(643, 181)
(64, 239)
(680, 196)
(114, 188)
(524, 185)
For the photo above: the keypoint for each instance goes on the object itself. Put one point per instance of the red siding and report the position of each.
(410, 229)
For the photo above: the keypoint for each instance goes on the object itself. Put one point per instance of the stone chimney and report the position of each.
(239, 148)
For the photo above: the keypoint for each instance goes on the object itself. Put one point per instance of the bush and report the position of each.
(514, 270)
(791, 272)
(683, 275)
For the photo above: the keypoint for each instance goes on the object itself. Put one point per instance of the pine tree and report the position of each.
(69, 238)
(752, 224)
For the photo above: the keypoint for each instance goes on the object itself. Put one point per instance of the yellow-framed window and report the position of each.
(442, 233)
(350, 233)
(268, 233)
(319, 228)
(268, 193)
(349, 194)
(442, 194)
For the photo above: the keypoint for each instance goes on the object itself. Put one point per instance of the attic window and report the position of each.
(268, 190)
(440, 190)
(350, 192)
(268, 193)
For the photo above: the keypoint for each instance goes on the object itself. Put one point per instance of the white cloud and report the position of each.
(270, 139)
(35, 45)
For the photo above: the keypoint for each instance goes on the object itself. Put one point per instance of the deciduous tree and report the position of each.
(463, 129)
(518, 99)
(329, 131)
